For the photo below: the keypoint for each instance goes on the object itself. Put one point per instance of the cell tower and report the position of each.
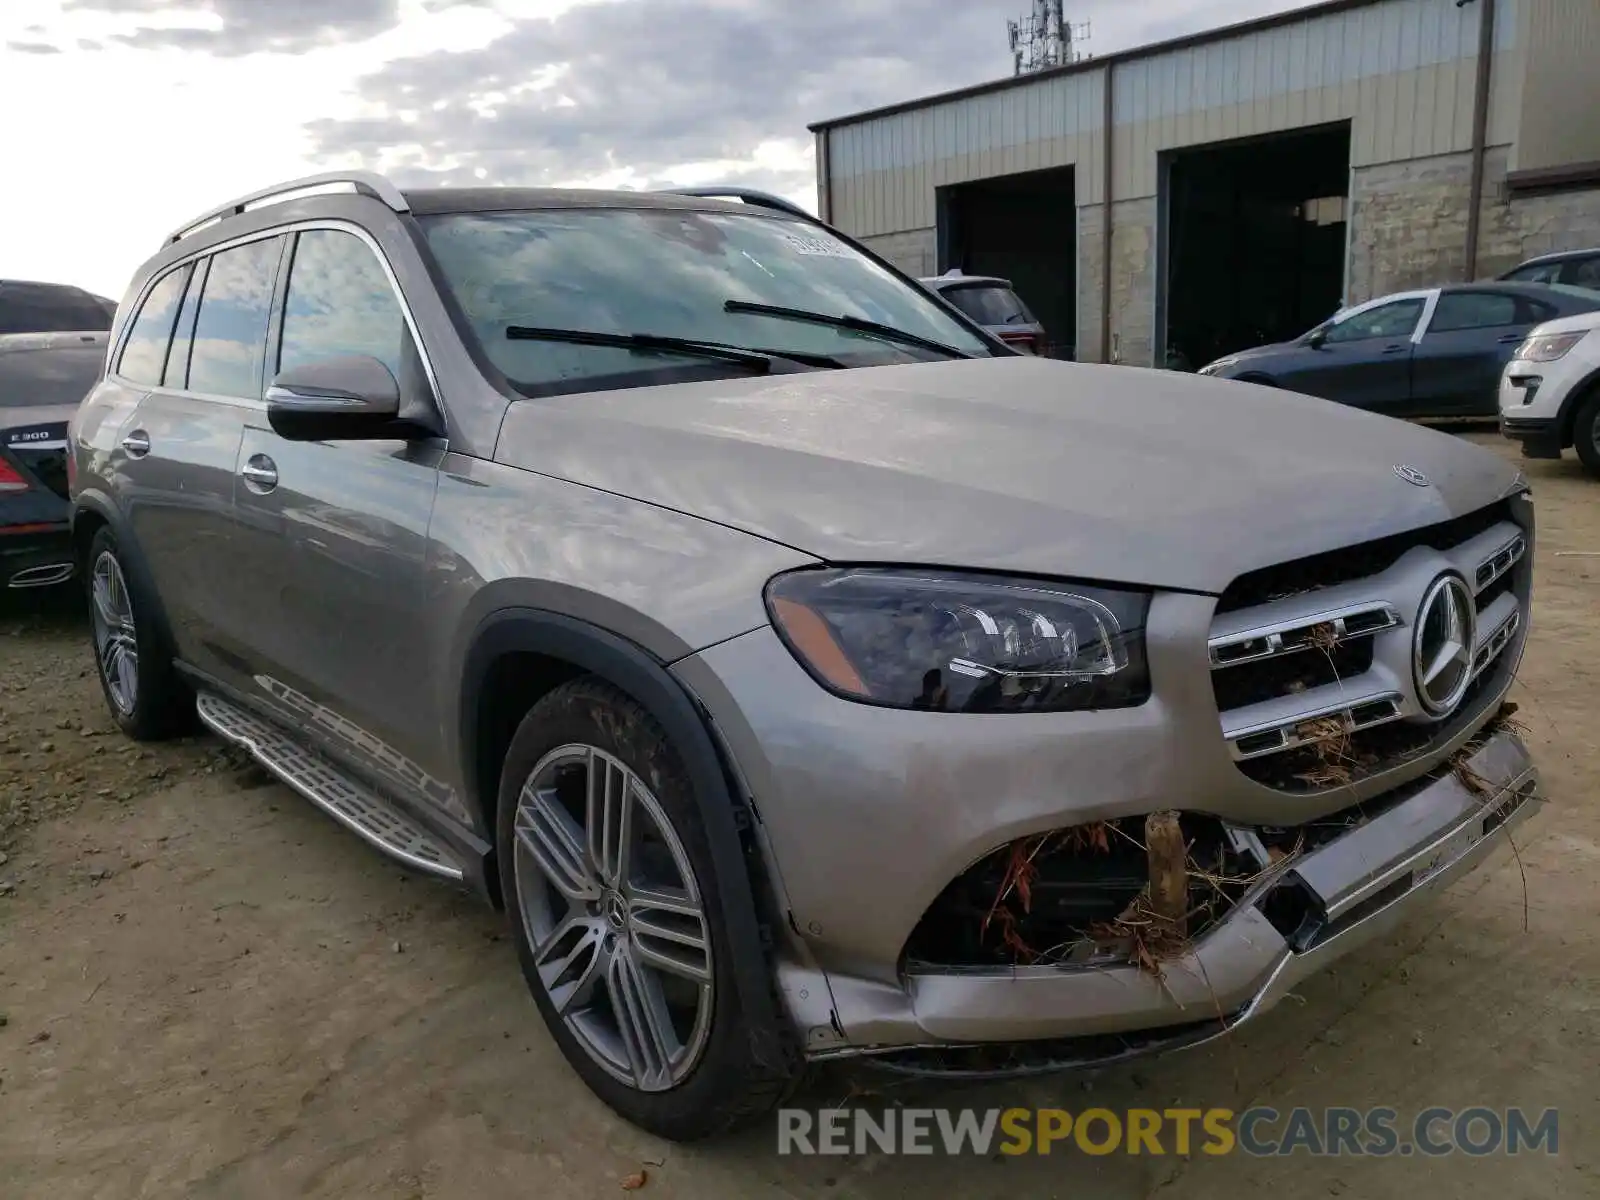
(1045, 39)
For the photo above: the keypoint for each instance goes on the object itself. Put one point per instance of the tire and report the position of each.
(699, 1076)
(131, 646)
(1586, 432)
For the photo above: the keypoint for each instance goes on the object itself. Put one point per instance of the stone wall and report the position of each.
(1133, 281)
(1409, 223)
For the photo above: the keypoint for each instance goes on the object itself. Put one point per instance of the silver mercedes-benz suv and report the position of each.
(808, 675)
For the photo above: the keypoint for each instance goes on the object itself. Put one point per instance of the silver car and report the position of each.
(807, 676)
(993, 303)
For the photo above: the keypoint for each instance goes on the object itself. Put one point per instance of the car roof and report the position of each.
(944, 281)
(1533, 291)
(1557, 256)
(437, 201)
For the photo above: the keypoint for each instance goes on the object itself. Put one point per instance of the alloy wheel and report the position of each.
(116, 640)
(614, 916)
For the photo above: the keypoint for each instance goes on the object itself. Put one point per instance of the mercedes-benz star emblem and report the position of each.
(1442, 647)
(1411, 475)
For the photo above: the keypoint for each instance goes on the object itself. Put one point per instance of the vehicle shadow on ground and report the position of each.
(60, 609)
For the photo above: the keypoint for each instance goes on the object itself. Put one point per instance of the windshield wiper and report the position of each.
(857, 324)
(754, 362)
(758, 360)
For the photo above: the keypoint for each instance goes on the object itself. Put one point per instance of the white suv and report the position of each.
(1550, 391)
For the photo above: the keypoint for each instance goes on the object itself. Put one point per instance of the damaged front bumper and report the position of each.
(1314, 908)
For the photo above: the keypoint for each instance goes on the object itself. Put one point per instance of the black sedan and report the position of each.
(1436, 352)
(43, 379)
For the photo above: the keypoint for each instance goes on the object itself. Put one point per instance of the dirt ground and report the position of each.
(208, 989)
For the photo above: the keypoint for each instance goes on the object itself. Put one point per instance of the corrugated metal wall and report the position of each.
(1563, 38)
(1402, 72)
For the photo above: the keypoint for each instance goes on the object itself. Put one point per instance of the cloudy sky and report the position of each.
(125, 117)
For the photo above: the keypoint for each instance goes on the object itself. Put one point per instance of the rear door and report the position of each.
(1365, 358)
(1467, 343)
(333, 536)
(195, 348)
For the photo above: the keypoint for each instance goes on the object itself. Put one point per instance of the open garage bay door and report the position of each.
(1254, 246)
(1022, 228)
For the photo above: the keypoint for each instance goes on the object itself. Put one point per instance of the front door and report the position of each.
(1364, 360)
(333, 535)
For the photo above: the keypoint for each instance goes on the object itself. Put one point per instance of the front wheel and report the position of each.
(613, 904)
(1586, 432)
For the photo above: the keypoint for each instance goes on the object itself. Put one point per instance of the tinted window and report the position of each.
(339, 302)
(49, 377)
(145, 351)
(669, 272)
(230, 332)
(990, 305)
(1473, 310)
(1397, 319)
(177, 372)
(1586, 273)
(27, 307)
(1539, 273)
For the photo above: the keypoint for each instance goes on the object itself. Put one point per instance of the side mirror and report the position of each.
(1318, 339)
(352, 396)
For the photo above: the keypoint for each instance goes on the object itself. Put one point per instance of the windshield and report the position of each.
(46, 378)
(989, 304)
(669, 273)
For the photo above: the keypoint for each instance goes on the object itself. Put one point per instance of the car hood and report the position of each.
(1013, 464)
(1271, 350)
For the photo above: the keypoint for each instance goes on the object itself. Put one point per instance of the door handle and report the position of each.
(1401, 348)
(1512, 339)
(137, 443)
(260, 473)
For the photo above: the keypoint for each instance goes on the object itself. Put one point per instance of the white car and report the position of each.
(1550, 390)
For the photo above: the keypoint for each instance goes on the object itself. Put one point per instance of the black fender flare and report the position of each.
(645, 678)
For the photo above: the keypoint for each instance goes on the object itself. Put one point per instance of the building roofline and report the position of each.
(1151, 50)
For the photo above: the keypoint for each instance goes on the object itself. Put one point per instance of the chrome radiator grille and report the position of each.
(1379, 651)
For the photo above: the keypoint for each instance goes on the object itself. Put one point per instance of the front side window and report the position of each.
(339, 302)
(1472, 310)
(230, 330)
(1538, 273)
(1397, 319)
(670, 273)
(144, 353)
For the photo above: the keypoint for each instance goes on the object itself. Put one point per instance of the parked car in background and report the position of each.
(43, 378)
(690, 582)
(1435, 352)
(1576, 268)
(993, 303)
(27, 306)
(1550, 391)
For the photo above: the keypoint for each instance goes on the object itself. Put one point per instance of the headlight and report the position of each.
(1211, 368)
(957, 642)
(1547, 347)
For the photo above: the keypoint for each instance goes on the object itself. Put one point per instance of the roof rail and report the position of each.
(365, 183)
(750, 196)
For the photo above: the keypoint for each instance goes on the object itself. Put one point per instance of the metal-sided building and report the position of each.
(1259, 174)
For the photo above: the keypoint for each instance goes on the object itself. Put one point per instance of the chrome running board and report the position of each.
(357, 808)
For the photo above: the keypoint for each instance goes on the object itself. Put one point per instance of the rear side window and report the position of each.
(1473, 310)
(230, 331)
(55, 376)
(990, 305)
(145, 351)
(339, 302)
(177, 372)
